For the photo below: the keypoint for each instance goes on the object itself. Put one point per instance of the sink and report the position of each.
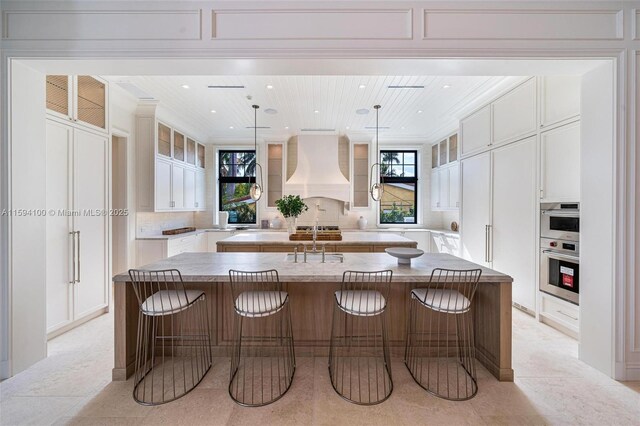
(316, 257)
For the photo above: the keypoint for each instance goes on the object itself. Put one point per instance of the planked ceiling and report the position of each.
(315, 102)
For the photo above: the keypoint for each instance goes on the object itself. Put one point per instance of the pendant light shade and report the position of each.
(256, 188)
(377, 188)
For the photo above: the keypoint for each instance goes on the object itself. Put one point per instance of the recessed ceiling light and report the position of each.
(402, 127)
(316, 111)
(269, 86)
(231, 127)
(270, 111)
(213, 111)
(362, 86)
(446, 86)
(362, 111)
(286, 127)
(347, 127)
(419, 111)
(185, 86)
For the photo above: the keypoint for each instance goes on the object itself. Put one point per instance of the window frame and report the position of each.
(232, 179)
(400, 179)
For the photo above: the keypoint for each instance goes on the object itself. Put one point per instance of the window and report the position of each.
(236, 173)
(399, 173)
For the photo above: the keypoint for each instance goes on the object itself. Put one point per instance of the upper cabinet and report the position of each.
(514, 114)
(560, 163)
(275, 168)
(170, 166)
(360, 175)
(511, 117)
(475, 131)
(560, 99)
(445, 174)
(81, 99)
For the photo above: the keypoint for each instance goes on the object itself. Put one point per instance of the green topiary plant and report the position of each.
(291, 206)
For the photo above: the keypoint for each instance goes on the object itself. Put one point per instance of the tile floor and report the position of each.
(73, 386)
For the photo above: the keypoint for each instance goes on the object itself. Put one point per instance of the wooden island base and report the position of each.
(311, 310)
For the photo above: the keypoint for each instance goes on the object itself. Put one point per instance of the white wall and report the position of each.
(597, 235)
(27, 259)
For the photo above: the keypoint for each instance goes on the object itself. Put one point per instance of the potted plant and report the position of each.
(291, 206)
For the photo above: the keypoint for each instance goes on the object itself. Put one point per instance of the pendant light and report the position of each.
(256, 187)
(377, 188)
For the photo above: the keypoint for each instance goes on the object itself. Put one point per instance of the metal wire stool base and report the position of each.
(445, 371)
(359, 364)
(173, 354)
(263, 359)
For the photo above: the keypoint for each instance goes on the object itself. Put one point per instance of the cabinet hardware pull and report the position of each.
(486, 243)
(567, 315)
(78, 248)
(73, 257)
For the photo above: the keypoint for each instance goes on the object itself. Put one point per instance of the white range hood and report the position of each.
(318, 173)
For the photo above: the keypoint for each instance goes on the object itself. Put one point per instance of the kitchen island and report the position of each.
(352, 242)
(311, 287)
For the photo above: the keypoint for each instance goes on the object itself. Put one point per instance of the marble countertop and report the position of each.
(214, 267)
(283, 231)
(283, 238)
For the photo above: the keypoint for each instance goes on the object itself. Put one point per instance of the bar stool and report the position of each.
(173, 347)
(262, 360)
(359, 361)
(443, 308)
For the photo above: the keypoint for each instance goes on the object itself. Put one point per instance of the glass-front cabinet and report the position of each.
(81, 99)
(445, 174)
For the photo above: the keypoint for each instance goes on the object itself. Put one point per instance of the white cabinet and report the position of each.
(475, 131)
(560, 99)
(445, 243)
(560, 314)
(169, 164)
(514, 114)
(560, 164)
(201, 188)
(499, 214)
(454, 186)
(80, 99)
(420, 237)
(77, 282)
(163, 186)
(190, 189)
(514, 211)
(475, 215)
(445, 190)
(153, 250)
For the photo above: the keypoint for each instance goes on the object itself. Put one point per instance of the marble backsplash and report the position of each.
(155, 223)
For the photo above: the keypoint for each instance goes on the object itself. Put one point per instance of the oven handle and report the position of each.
(567, 213)
(552, 253)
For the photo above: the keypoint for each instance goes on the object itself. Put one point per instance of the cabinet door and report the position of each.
(59, 142)
(454, 186)
(560, 98)
(91, 195)
(514, 114)
(560, 153)
(91, 101)
(177, 187)
(201, 188)
(475, 131)
(59, 96)
(443, 188)
(476, 207)
(163, 185)
(513, 245)
(189, 195)
(435, 189)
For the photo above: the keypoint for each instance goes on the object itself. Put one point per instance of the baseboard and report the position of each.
(77, 323)
(629, 371)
